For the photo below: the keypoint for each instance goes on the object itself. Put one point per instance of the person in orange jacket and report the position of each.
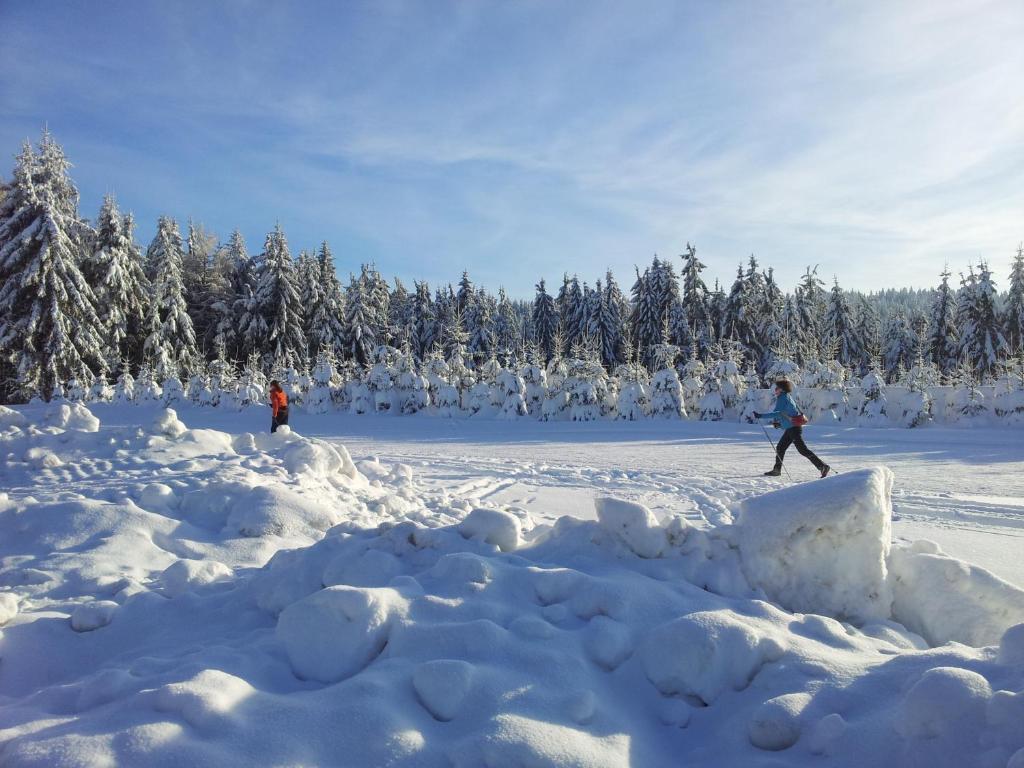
(278, 406)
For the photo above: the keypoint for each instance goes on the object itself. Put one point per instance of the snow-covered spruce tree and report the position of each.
(583, 386)
(545, 321)
(666, 390)
(556, 398)
(610, 321)
(411, 387)
(198, 279)
(124, 390)
(100, 391)
(366, 312)
(278, 302)
(535, 381)
(873, 410)
(969, 406)
(899, 345)
(398, 322)
(223, 380)
(916, 405)
(726, 371)
(146, 388)
(645, 323)
(711, 405)
(120, 285)
(320, 399)
(171, 341)
(49, 330)
(478, 322)
(633, 402)
(840, 329)
(755, 397)
(691, 377)
(75, 391)
(981, 339)
(381, 380)
(1013, 311)
(252, 384)
(696, 302)
(424, 322)
(308, 285)
(941, 344)
(513, 390)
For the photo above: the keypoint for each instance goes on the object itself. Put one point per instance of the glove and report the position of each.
(776, 424)
(757, 415)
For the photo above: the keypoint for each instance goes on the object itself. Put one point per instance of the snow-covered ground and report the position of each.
(434, 606)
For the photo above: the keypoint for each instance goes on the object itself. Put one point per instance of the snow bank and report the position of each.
(942, 598)
(822, 547)
(633, 523)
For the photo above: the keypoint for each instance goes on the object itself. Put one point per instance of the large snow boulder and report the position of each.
(336, 632)
(634, 523)
(822, 547)
(942, 598)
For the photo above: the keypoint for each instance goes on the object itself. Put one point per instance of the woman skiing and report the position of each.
(784, 412)
(278, 406)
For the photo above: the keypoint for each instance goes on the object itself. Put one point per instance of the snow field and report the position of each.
(186, 596)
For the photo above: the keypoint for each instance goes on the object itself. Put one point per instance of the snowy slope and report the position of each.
(191, 596)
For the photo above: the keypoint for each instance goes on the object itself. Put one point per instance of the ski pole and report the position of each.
(776, 451)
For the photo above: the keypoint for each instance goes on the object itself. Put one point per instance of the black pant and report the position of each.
(277, 421)
(795, 436)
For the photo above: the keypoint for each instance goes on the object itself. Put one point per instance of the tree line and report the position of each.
(79, 298)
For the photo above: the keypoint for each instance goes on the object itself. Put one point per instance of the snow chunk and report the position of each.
(512, 740)
(93, 615)
(185, 575)
(71, 416)
(322, 459)
(706, 653)
(8, 607)
(1011, 647)
(821, 547)
(775, 724)
(158, 497)
(634, 523)
(442, 686)
(943, 702)
(11, 419)
(206, 700)
(825, 733)
(495, 526)
(167, 423)
(942, 598)
(334, 633)
(608, 642)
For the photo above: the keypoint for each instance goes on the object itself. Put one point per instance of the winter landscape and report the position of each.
(512, 511)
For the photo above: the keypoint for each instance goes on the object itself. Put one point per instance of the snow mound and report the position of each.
(334, 633)
(11, 419)
(495, 526)
(71, 416)
(822, 547)
(93, 615)
(187, 575)
(775, 724)
(167, 423)
(442, 685)
(705, 654)
(634, 523)
(942, 598)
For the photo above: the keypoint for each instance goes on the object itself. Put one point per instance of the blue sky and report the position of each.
(518, 140)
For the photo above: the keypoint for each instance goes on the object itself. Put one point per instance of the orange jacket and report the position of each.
(278, 400)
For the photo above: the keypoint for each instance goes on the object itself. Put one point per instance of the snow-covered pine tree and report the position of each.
(197, 278)
(645, 323)
(424, 322)
(1013, 310)
(981, 338)
(507, 330)
(465, 296)
(839, 329)
(941, 343)
(899, 345)
(278, 301)
(769, 314)
(809, 303)
(695, 301)
(478, 323)
(326, 320)
(400, 317)
(309, 286)
(119, 282)
(49, 330)
(171, 342)
(231, 267)
(666, 390)
(869, 332)
(545, 321)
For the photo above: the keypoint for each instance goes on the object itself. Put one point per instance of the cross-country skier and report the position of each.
(783, 413)
(278, 406)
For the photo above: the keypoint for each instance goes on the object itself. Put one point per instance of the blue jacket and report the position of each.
(784, 411)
